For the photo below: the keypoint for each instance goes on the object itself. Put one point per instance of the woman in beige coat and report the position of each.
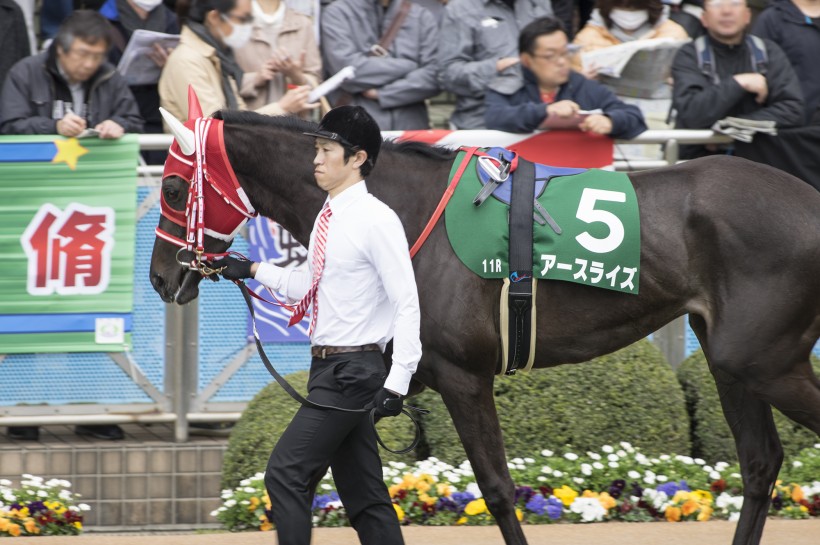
(204, 58)
(614, 22)
(282, 51)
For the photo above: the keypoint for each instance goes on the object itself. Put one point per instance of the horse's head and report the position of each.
(202, 204)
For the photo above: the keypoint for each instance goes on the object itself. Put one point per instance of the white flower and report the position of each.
(594, 455)
(626, 446)
(510, 465)
(621, 454)
(649, 479)
(473, 489)
(517, 461)
(250, 490)
(334, 504)
(557, 473)
(396, 480)
(245, 502)
(5, 482)
(634, 474)
(700, 461)
(608, 449)
(230, 503)
(613, 464)
(529, 460)
(590, 509)
(578, 480)
(546, 469)
(662, 478)
(546, 453)
(734, 517)
(84, 507)
(571, 456)
(326, 486)
(42, 494)
(586, 469)
(597, 465)
(541, 479)
(797, 463)
(612, 458)
(244, 482)
(720, 466)
(714, 475)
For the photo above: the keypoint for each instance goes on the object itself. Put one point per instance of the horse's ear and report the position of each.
(194, 109)
(183, 135)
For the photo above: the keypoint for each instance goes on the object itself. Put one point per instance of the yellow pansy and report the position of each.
(409, 480)
(394, 490)
(266, 499)
(681, 496)
(797, 493)
(462, 520)
(672, 514)
(689, 507)
(705, 513)
(444, 489)
(607, 501)
(78, 525)
(4, 524)
(566, 494)
(429, 500)
(399, 511)
(476, 507)
(519, 515)
(31, 526)
(702, 496)
(14, 530)
(422, 485)
(266, 525)
(254, 503)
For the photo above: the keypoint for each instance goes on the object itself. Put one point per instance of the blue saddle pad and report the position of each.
(542, 174)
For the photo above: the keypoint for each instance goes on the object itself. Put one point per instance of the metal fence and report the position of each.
(196, 363)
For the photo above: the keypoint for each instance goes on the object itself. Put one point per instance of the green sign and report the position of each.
(597, 212)
(67, 233)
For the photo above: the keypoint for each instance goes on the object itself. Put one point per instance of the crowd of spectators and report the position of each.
(507, 64)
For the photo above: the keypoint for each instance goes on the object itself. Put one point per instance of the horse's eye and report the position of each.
(171, 194)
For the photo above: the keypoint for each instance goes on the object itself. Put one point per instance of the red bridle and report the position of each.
(212, 185)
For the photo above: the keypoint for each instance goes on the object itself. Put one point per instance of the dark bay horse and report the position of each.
(734, 244)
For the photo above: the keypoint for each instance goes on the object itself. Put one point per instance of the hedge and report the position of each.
(711, 437)
(629, 395)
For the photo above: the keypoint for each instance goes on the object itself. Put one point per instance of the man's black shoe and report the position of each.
(24, 433)
(109, 432)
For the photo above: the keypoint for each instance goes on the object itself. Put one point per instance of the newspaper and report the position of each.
(332, 83)
(554, 122)
(136, 66)
(744, 130)
(635, 69)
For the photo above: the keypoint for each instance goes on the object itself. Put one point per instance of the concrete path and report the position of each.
(777, 532)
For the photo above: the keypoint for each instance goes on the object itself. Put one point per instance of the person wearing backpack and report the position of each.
(728, 72)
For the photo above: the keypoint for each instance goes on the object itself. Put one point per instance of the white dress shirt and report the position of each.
(367, 293)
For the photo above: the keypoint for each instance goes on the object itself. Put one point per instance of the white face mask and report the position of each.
(147, 5)
(629, 20)
(240, 36)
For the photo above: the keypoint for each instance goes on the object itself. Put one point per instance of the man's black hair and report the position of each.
(85, 24)
(196, 10)
(534, 30)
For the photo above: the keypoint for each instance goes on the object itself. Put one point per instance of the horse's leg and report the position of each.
(469, 398)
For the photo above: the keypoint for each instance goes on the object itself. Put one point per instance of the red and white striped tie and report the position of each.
(312, 296)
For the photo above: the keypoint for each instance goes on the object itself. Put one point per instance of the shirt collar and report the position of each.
(347, 197)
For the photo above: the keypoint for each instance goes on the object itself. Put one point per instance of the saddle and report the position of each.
(518, 183)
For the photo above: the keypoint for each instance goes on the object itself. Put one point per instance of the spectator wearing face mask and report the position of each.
(125, 17)
(614, 22)
(204, 58)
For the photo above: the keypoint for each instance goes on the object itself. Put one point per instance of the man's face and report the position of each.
(550, 59)
(331, 171)
(726, 19)
(82, 59)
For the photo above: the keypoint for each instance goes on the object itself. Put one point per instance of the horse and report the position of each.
(732, 243)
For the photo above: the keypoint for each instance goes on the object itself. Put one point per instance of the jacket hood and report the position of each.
(791, 13)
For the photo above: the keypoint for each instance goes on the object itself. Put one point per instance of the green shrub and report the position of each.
(631, 395)
(267, 416)
(711, 438)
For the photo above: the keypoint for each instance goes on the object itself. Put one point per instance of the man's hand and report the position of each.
(388, 403)
(295, 100)
(371, 94)
(110, 129)
(71, 125)
(754, 83)
(563, 108)
(235, 269)
(596, 124)
(282, 62)
(159, 54)
(264, 74)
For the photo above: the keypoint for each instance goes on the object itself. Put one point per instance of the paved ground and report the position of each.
(803, 532)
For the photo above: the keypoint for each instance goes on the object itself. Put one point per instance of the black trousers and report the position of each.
(316, 439)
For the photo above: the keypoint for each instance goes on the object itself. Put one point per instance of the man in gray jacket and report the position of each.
(70, 88)
(480, 41)
(390, 83)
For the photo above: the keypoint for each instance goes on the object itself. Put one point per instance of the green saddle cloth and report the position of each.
(596, 210)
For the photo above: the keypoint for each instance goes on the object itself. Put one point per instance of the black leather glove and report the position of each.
(235, 269)
(387, 403)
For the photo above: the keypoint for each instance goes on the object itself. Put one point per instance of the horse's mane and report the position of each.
(239, 117)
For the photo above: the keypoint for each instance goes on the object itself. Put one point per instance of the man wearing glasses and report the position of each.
(731, 73)
(547, 93)
(70, 88)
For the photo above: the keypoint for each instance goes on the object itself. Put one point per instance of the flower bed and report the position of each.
(616, 483)
(39, 508)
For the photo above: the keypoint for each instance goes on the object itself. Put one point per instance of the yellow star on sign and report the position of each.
(68, 152)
